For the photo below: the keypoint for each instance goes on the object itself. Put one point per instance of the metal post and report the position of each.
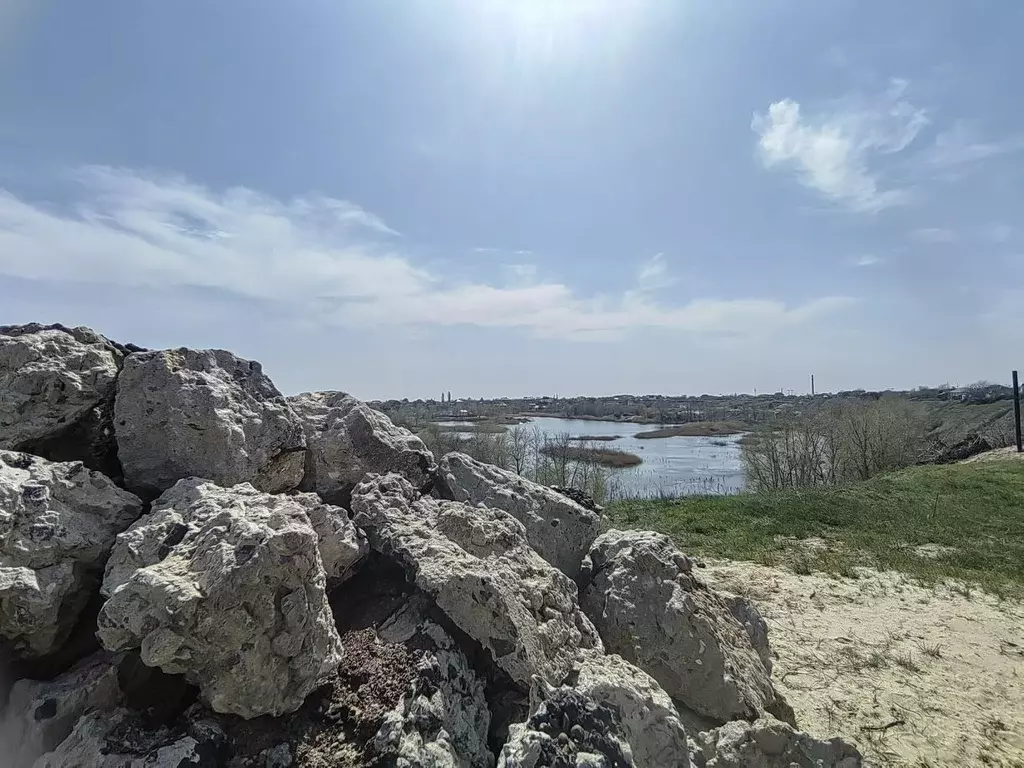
(1016, 412)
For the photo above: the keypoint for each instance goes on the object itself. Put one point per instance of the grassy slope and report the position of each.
(978, 509)
(952, 422)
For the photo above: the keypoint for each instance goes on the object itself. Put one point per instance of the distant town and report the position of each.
(749, 409)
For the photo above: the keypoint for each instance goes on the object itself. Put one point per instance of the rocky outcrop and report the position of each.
(347, 439)
(41, 714)
(646, 716)
(641, 594)
(226, 587)
(559, 529)
(746, 613)
(476, 564)
(582, 498)
(116, 739)
(204, 413)
(768, 743)
(224, 611)
(443, 719)
(56, 393)
(58, 522)
(567, 729)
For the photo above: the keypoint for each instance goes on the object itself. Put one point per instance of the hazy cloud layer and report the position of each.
(330, 260)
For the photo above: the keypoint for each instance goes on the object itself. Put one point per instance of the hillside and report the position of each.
(908, 659)
(963, 521)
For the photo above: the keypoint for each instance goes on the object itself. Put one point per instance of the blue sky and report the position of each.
(514, 197)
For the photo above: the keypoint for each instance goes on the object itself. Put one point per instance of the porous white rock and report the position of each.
(58, 522)
(646, 715)
(226, 587)
(40, 714)
(347, 439)
(476, 564)
(442, 720)
(204, 413)
(50, 378)
(641, 594)
(559, 529)
(566, 729)
(113, 739)
(769, 743)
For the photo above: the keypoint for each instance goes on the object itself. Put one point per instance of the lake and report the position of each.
(672, 465)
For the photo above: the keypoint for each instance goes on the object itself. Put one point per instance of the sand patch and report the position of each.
(997, 454)
(913, 675)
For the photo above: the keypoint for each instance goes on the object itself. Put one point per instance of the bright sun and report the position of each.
(546, 30)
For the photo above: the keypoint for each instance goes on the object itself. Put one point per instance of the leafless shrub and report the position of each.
(835, 443)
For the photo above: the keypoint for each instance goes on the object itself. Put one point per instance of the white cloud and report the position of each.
(324, 258)
(962, 145)
(934, 235)
(832, 152)
(653, 274)
(868, 260)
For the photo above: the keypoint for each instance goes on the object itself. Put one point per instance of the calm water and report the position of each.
(672, 465)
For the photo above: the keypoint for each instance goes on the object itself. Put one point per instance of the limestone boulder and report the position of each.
(226, 587)
(769, 743)
(649, 607)
(477, 565)
(347, 439)
(746, 613)
(646, 715)
(56, 393)
(567, 729)
(443, 719)
(184, 413)
(116, 739)
(341, 544)
(58, 523)
(40, 714)
(559, 529)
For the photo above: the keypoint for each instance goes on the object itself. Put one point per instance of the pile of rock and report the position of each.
(197, 571)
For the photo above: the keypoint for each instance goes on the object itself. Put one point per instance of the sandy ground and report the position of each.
(998, 454)
(918, 676)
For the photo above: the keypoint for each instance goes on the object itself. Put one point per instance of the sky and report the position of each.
(524, 197)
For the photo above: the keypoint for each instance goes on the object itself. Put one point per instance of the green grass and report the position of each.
(976, 510)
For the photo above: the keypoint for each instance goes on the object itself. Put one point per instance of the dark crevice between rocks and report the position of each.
(438, 487)
(80, 642)
(382, 586)
(89, 440)
(159, 698)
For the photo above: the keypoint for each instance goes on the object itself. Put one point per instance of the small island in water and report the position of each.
(606, 457)
(694, 429)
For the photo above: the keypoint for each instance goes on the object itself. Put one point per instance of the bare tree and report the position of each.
(521, 444)
(840, 442)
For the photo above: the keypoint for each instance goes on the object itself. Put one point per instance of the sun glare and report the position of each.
(529, 36)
